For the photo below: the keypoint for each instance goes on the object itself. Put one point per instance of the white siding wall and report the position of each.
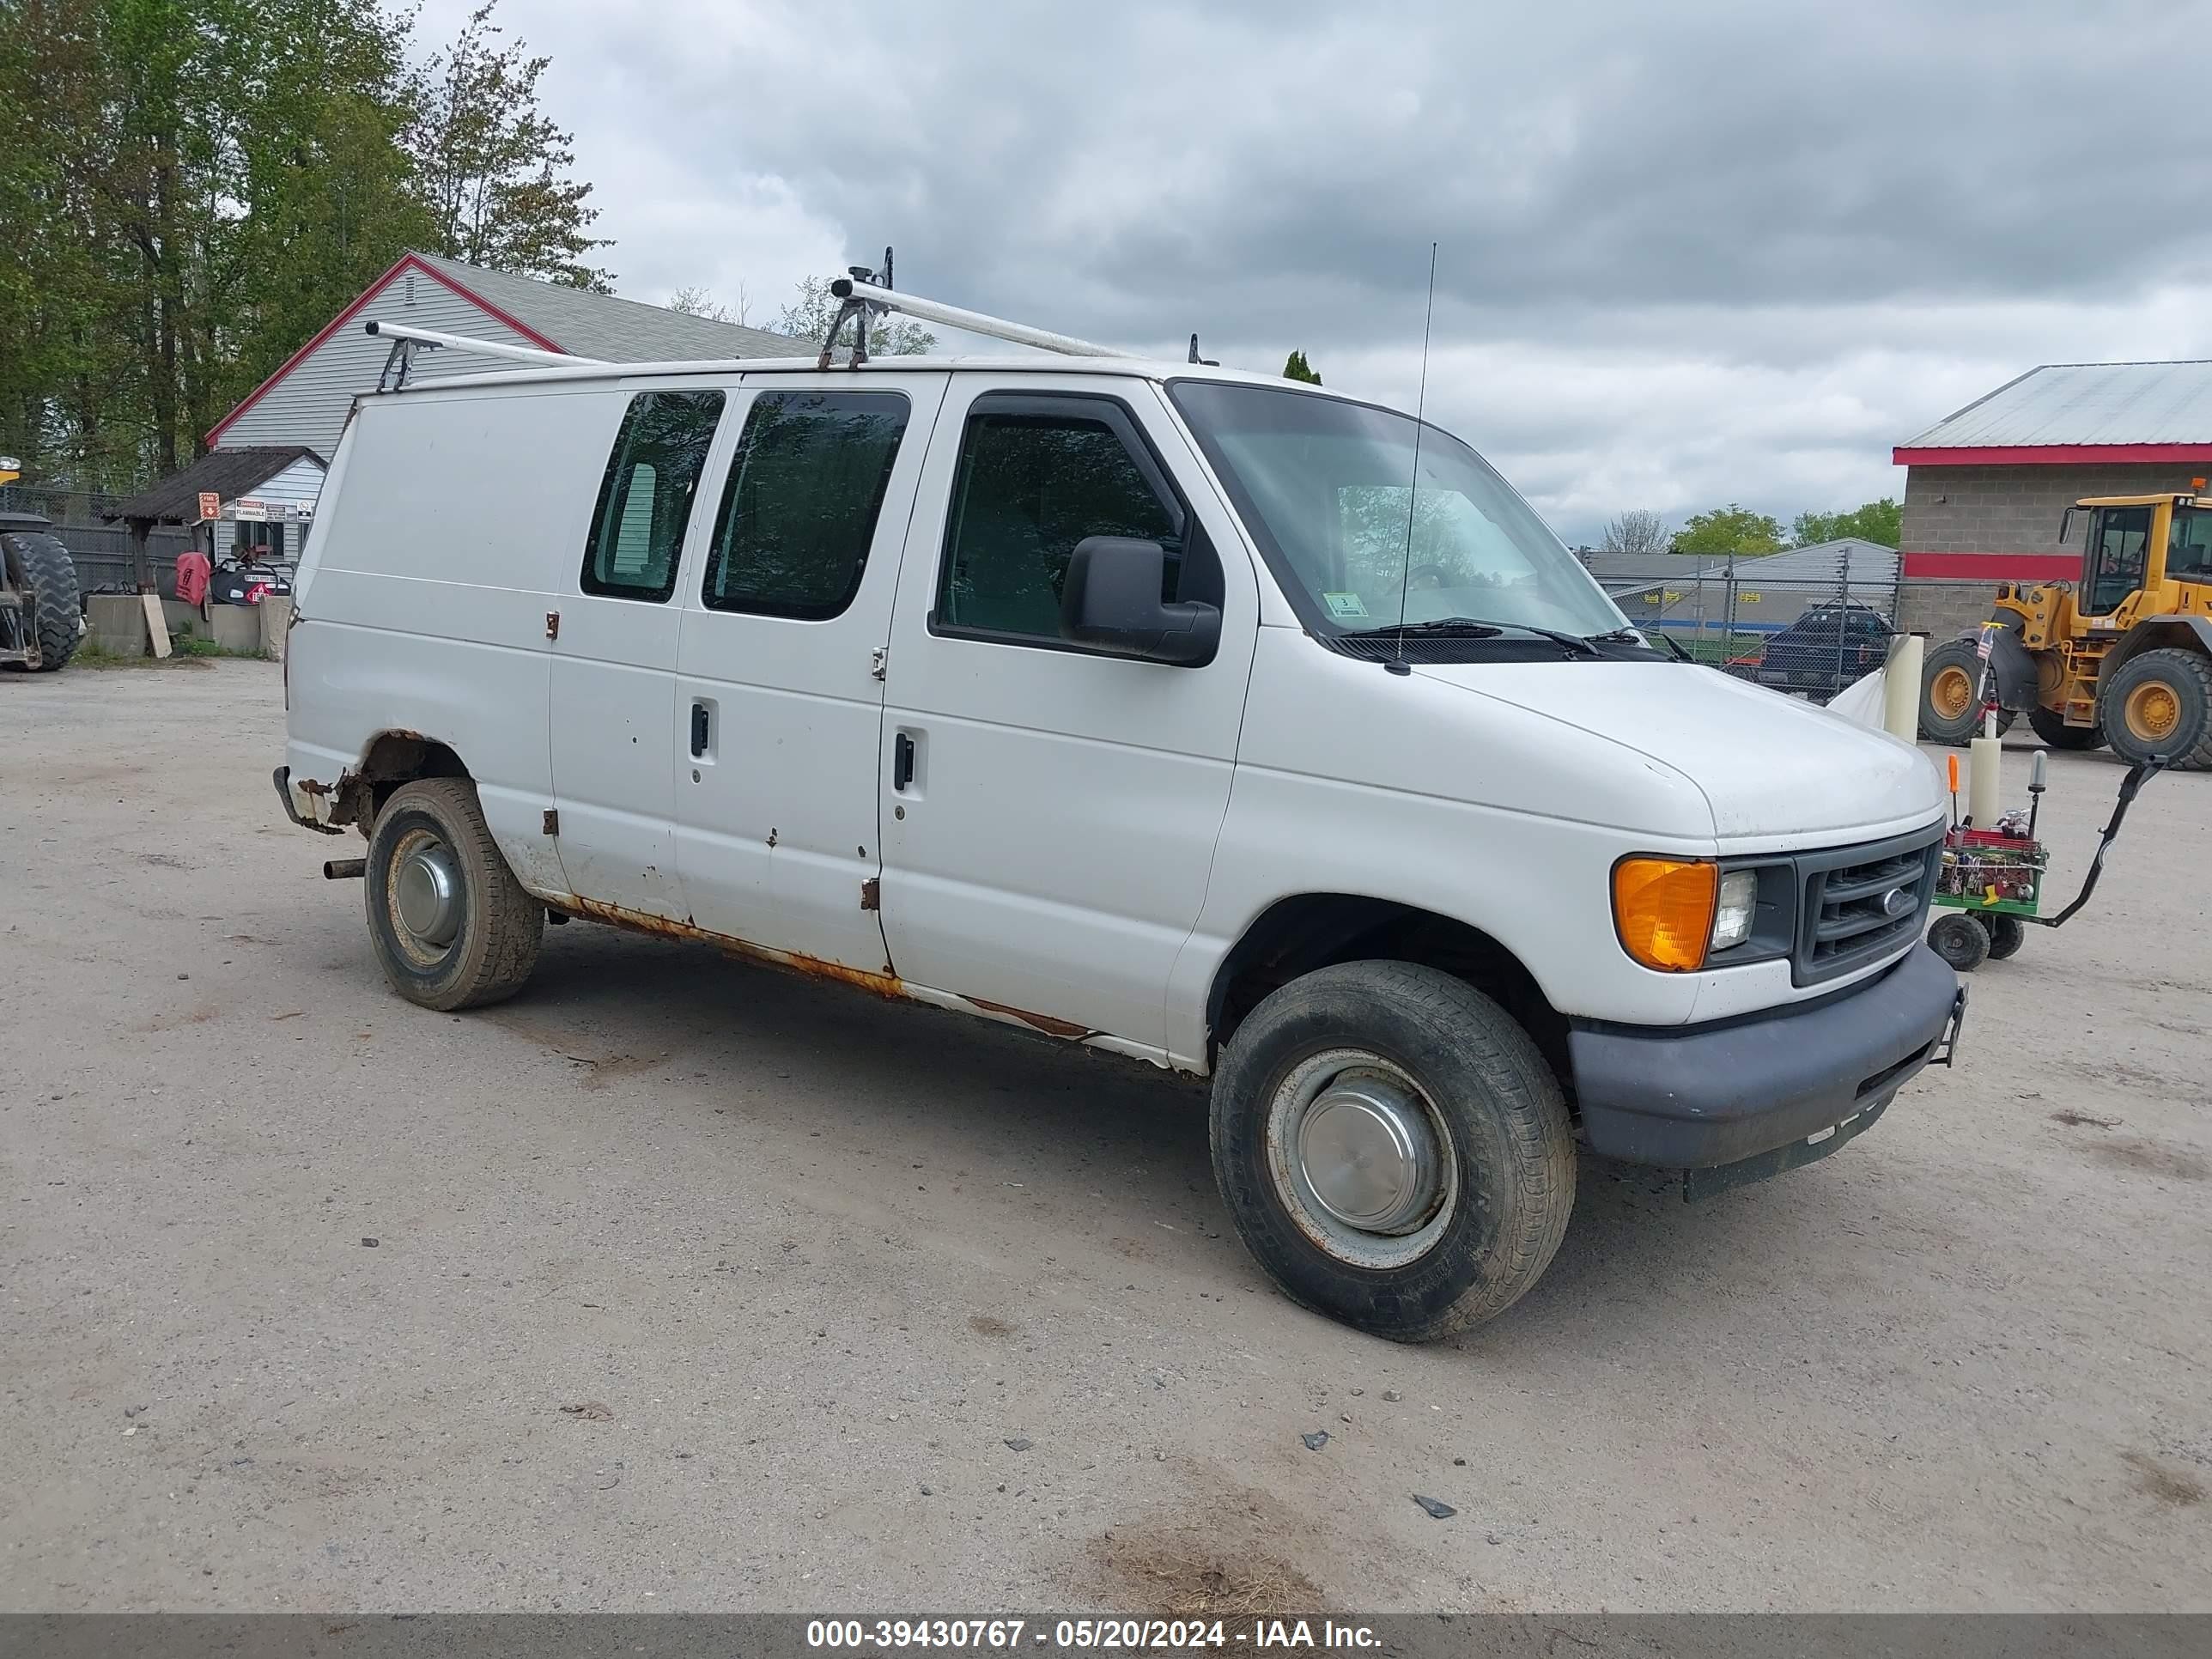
(308, 405)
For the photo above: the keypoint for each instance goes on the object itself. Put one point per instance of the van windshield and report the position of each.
(1326, 488)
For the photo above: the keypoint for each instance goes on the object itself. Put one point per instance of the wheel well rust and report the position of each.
(1295, 936)
(391, 758)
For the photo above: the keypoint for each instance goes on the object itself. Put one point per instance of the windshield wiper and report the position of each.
(1478, 628)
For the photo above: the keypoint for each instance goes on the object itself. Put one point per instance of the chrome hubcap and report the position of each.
(1366, 1149)
(426, 894)
(1361, 1159)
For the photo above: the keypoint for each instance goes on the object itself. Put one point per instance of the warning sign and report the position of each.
(210, 506)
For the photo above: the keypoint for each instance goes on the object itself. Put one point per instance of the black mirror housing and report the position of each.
(1111, 602)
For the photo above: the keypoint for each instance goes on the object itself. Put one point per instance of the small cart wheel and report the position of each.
(1959, 940)
(2006, 935)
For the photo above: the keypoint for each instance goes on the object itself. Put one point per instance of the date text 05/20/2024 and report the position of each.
(1087, 1634)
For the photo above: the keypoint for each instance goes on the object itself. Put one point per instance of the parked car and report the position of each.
(1827, 647)
(1073, 694)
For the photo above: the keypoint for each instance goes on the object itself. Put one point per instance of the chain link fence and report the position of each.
(1807, 626)
(100, 550)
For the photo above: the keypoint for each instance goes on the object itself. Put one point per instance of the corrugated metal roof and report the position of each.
(619, 330)
(2084, 403)
(1869, 563)
(229, 473)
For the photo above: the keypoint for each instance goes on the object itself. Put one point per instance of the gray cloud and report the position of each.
(1688, 253)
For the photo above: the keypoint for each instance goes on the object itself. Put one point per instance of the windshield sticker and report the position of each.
(1345, 605)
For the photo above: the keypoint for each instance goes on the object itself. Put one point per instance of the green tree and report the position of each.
(808, 316)
(494, 170)
(1726, 530)
(1873, 521)
(190, 188)
(1298, 369)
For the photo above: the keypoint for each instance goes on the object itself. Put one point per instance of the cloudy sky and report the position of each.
(1688, 253)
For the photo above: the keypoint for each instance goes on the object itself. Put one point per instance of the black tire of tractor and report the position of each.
(2051, 725)
(56, 606)
(2006, 935)
(1512, 1145)
(1961, 940)
(1953, 730)
(501, 926)
(2188, 676)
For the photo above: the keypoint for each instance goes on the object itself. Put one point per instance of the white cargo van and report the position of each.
(1118, 701)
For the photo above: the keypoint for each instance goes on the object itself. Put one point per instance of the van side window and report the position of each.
(1037, 476)
(645, 500)
(799, 510)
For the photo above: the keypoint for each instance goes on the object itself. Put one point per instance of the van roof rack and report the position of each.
(863, 295)
(407, 341)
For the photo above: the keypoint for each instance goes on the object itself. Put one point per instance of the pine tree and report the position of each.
(1298, 369)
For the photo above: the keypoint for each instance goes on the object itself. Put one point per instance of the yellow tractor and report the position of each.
(2122, 657)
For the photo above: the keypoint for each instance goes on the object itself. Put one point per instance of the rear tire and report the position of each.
(1961, 940)
(1950, 712)
(2160, 703)
(49, 576)
(2051, 725)
(452, 927)
(1393, 1149)
(2006, 935)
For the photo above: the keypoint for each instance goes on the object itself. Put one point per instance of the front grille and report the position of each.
(1847, 918)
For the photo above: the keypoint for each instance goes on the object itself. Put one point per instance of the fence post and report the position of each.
(1843, 614)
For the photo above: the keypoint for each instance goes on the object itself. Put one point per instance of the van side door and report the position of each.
(1050, 811)
(614, 722)
(786, 616)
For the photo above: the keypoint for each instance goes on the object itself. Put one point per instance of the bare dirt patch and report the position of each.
(2163, 1482)
(2156, 1157)
(1216, 1562)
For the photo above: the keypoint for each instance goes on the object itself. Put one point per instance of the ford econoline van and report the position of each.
(1216, 720)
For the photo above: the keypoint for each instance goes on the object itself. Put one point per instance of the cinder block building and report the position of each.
(1986, 488)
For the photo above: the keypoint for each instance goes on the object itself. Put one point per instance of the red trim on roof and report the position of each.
(1992, 567)
(2050, 454)
(407, 262)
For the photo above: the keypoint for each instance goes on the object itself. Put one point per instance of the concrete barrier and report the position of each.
(118, 622)
(235, 627)
(275, 618)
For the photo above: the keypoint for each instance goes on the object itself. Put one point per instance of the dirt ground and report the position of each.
(679, 1283)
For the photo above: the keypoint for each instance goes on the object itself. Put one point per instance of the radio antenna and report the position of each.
(1420, 406)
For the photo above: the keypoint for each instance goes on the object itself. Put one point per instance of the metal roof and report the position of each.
(601, 325)
(2070, 404)
(229, 473)
(1822, 563)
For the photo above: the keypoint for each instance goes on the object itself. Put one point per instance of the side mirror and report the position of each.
(1111, 600)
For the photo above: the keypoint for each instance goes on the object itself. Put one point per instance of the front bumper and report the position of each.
(1759, 1087)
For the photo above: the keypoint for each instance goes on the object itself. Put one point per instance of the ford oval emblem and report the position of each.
(1897, 903)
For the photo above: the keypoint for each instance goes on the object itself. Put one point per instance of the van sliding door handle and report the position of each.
(902, 761)
(699, 730)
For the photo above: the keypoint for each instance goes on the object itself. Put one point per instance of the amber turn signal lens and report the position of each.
(1664, 910)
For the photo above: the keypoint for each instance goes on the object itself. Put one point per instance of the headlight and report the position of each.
(1739, 903)
(1663, 911)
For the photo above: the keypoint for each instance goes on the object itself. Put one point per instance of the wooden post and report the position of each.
(150, 600)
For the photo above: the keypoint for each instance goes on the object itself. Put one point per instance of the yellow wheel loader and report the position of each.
(40, 614)
(2122, 657)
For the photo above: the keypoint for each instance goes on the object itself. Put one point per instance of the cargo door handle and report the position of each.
(699, 730)
(902, 761)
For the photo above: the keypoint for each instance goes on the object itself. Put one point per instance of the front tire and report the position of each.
(1950, 710)
(2160, 703)
(1393, 1149)
(49, 575)
(452, 927)
(1961, 940)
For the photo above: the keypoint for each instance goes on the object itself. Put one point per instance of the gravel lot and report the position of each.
(302, 1287)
